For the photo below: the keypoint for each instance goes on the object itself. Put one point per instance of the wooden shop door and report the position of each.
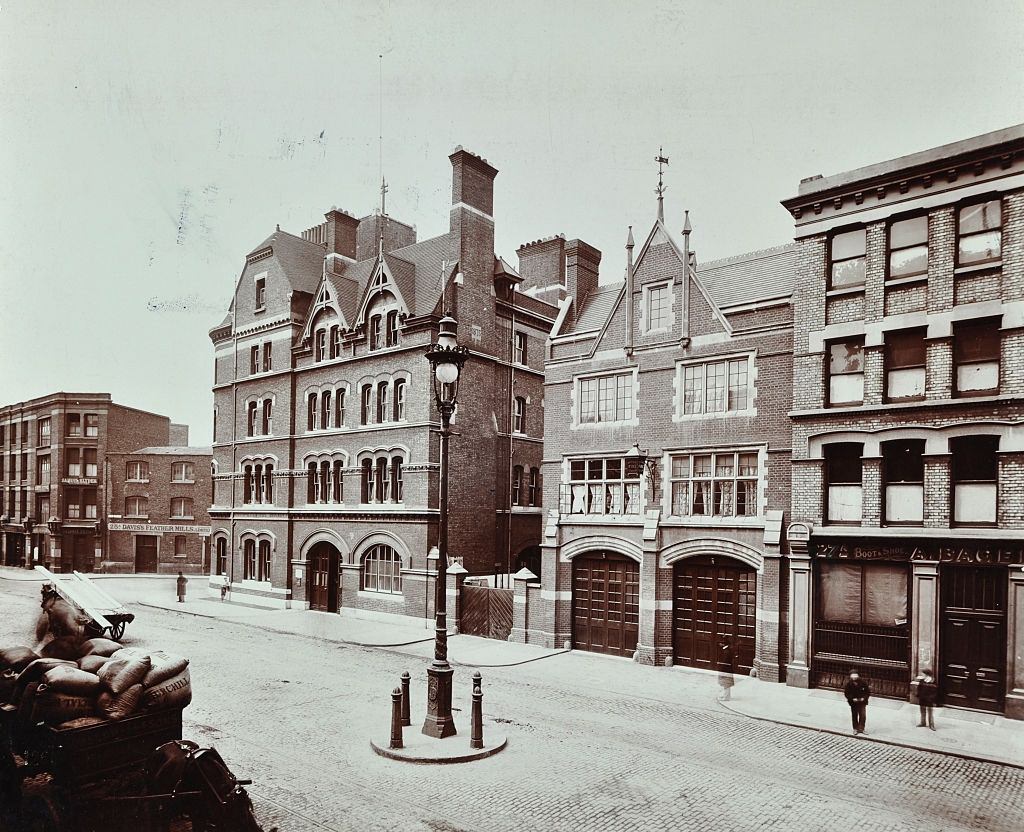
(973, 638)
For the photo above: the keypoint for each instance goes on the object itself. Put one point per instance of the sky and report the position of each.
(146, 147)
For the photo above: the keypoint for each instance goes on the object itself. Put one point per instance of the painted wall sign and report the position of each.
(968, 552)
(79, 480)
(158, 528)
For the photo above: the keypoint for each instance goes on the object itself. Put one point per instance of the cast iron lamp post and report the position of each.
(446, 358)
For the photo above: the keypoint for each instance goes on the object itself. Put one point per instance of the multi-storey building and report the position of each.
(325, 448)
(158, 510)
(908, 424)
(53, 450)
(666, 463)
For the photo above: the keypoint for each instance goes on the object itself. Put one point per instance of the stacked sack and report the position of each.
(107, 682)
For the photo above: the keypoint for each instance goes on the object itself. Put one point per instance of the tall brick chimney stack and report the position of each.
(472, 229)
(581, 270)
(542, 267)
(341, 233)
(472, 183)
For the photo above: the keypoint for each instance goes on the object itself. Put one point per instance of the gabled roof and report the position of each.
(300, 260)
(597, 306)
(427, 281)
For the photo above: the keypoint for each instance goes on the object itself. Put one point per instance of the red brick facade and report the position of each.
(344, 317)
(929, 498)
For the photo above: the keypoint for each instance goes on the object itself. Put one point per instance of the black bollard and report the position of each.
(476, 738)
(396, 718)
(405, 699)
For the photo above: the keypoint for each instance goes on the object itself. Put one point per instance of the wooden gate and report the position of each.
(486, 611)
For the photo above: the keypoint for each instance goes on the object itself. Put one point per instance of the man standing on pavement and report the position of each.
(927, 693)
(857, 694)
(182, 580)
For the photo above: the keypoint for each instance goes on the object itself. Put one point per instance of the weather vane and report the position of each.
(662, 160)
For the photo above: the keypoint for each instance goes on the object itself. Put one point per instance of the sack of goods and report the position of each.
(107, 682)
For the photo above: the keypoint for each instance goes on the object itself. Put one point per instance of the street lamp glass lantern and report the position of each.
(446, 358)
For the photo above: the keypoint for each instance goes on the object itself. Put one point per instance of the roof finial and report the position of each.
(687, 228)
(662, 160)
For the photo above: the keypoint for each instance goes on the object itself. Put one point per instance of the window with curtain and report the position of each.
(872, 594)
(600, 486)
(719, 484)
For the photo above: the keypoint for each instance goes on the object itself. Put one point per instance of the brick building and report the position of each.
(53, 452)
(666, 465)
(908, 424)
(325, 447)
(158, 502)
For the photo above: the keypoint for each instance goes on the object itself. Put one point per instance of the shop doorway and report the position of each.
(145, 553)
(714, 600)
(324, 562)
(973, 637)
(605, 603)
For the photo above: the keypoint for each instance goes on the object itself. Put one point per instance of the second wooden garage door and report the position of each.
(606, 603)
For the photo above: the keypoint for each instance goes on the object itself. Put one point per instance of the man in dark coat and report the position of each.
(182, 580)
(857, 694)
(927, 694)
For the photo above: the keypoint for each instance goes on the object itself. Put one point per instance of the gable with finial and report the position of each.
(383, 290)
(325, 306)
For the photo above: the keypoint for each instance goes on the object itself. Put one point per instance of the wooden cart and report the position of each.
(107, 613)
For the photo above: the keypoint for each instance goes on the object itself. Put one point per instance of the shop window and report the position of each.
(519, 415)
(399, 399)
(715, 484)
(979, 233)
(904, 365)
(250, 569)
(903, 476)
(847, 259)
(844, 492)
(976, 347)
(222, 556)
(846, 372)
(183, 472)
(600, 486)
(908, 248)
(264, 561)
(871, 594)
(605, 399)
(534, 496)
(519, 349)
(517, 484)
(381, 570)
(975, 474)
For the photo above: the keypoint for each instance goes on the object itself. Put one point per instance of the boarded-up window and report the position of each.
(874, 594)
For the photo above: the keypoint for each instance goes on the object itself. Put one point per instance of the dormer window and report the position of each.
(375, 333)
(261, 294)
(335, 341)
(321, 345)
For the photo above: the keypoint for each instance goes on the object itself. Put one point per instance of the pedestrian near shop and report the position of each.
(182, 580)
(927, 694)
(857, 693)
(725, 670)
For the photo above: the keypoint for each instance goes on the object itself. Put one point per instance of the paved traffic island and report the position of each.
(419, 748)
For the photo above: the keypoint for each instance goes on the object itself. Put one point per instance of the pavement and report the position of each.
(969, 734)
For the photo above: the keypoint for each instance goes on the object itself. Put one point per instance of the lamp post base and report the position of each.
(439, 722)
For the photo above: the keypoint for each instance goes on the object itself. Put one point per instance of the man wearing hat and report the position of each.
(857, 694)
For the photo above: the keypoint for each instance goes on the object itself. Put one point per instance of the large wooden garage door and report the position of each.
(606, 603)
(714, 599)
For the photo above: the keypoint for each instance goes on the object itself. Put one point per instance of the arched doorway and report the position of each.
(324, 562)
(714, 599)
(605, 603)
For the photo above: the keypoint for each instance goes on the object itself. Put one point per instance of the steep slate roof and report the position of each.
(300, 260)
(752, 277)
(425, 280)
(597, 306)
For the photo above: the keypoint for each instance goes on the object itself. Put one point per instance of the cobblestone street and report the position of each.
(594, 744)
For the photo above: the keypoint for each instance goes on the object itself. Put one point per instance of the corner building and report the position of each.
(326, 454)
(666, 468)
(908, 425)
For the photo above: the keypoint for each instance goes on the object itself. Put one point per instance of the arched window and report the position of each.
(399, 399)
(311, 411)
(339, 481)
(383, 488)
(324, 489)
(268, 484)
(517, 484)
(339, 408)
(381, 571)
(250, 419)
(383, 400)
(396, 479)
(264, 561)
(392, 326)
(534, 486)
(519, 415)
(367, 482)
(311, 483)
(247, 484)
(257, 484)
(325, 409)
(222, 556)
(268, 417)
(249, 567)
(366, 404)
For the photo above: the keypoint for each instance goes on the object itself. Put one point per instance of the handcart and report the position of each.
(107, 614)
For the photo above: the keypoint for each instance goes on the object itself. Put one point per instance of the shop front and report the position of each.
(893, 608)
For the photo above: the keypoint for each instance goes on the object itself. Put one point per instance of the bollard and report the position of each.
(476, 738)
(396, 718)
(405, 699)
